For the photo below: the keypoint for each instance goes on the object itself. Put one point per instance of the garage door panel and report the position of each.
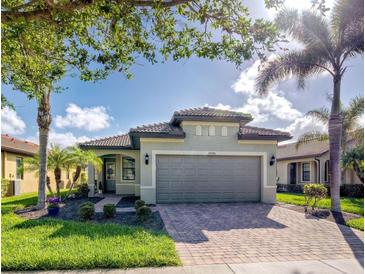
(207, 178)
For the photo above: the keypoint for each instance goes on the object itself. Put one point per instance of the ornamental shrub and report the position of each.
(313, 193)
(139, 203)
(143, 213)
(86, 211)
(109, 210)
(5, 183)
(83, 190)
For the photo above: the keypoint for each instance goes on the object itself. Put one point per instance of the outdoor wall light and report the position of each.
(272, 160)
(146, 158)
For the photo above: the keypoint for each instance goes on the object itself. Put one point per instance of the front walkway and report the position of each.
(108, 199)
(252, 233)
(350, 266)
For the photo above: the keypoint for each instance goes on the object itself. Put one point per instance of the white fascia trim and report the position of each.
(263, 156)
(161, 140)
(257, 142)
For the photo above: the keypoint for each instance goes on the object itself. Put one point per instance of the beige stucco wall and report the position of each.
(122, 186)
(206, 144)
(29, 183)
(348, 175)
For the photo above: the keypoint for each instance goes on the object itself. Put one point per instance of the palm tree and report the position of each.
(80, 159)
(58, 159)
(350, 128)
(32, 164)
(327, 45)
(355, 159)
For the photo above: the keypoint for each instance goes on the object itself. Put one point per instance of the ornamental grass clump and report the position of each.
(313, 193)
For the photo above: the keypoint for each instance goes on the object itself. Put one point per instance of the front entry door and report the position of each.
(110, 175)
(293, 173)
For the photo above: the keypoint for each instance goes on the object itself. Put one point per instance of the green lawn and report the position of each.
(350, 205)
(56, 244)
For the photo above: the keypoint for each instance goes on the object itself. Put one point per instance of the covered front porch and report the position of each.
(306, 171)
(120, 174)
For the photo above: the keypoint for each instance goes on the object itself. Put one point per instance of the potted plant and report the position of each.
(53, 206)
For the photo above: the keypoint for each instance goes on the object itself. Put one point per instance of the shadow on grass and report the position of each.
(85, 229)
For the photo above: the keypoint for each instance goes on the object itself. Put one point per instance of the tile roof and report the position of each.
(159, 128)
(247, 132)
(311, 149)
(11, 144)
(119, 141)
(208, 113)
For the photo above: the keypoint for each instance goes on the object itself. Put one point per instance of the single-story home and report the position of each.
(200, 155)
(308, 163)
(21, 180)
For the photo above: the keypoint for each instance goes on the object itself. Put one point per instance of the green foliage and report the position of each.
(357, 223)
(5, 103)
(5, 183)
(52, 244)
(109, 210)
(83, 190)
(139, 203)
(143, 213)
(354, 159)
(86, 211)
(350, 205)
(313, 193)
(53, 205)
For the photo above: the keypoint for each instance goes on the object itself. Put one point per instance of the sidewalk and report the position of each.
(350, 266)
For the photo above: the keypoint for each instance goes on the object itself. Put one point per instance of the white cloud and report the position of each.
(90, 119)
(11, 123)
(62, 139)
(303, 125)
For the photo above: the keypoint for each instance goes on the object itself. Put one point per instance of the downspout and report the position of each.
(319, 169)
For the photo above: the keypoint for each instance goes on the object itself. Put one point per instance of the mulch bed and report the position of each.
(127, 201)
(69, 211)
(336, 217)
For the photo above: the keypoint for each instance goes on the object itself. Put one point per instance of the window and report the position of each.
(19, 168)
(129, 168)
(211, 131)
(224, 131)
(306, 175)
(198, 131)
(326, 170)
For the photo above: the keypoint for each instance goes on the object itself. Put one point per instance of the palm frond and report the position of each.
(299, 63)
(311, 137)
(322, 114)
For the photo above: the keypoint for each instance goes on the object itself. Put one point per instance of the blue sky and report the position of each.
(110, 107)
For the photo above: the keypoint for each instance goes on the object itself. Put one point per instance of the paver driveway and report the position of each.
(249, 232)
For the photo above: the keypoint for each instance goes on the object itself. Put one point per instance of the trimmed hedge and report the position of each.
(346, 190)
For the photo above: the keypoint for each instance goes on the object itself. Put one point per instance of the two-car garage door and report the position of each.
(193, 178)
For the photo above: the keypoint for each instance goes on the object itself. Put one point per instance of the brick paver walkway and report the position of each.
(247, 232)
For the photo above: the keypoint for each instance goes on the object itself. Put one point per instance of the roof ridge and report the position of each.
(105, 138)
(149, 125)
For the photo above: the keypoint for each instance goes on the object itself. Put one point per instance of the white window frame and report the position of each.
(224, 131)
(310, 171)
(211, 131)
(198, 131)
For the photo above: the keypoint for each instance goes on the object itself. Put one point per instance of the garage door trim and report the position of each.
(263, 156)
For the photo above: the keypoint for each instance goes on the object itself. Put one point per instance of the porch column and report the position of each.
(91, 179)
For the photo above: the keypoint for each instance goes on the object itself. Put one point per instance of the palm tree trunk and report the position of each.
(57, 176)
(44, 120)
(49, 185)
(74, 180)
(335, 135)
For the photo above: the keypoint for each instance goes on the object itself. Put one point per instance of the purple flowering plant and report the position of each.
(53, 200)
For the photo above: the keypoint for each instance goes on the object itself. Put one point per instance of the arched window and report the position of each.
(211, 131)
(224, 131)
(198, 131)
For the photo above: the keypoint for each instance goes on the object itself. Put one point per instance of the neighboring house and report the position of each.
(309, 163)
(201, 155)
(13, 152)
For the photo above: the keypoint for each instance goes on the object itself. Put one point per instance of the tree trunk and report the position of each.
(57, 176)
(74, 179)
(44, 120)
(335, 135)
(49, 185)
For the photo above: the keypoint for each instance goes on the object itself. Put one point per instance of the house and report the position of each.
(13, 152)
(200, 155)
(309, 163)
